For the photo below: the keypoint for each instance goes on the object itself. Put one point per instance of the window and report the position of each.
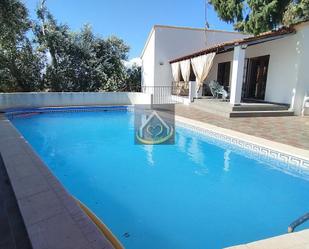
(223, 76)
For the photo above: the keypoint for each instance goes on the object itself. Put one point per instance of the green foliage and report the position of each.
(13, 22)
(229, 11)
(20, 65)
(133, 79)
(20, 69)
(297, 11)
(256, 16)
(58, 59)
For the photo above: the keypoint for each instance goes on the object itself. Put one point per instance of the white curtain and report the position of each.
(185, 70)
(176, 71)
(201, 66)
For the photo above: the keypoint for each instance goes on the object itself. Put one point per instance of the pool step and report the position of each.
(227, 110)
(238, 114)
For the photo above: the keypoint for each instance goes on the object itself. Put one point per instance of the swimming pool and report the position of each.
(198, 193)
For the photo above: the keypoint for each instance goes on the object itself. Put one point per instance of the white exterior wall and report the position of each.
(170, 44)
(174, 42)
(287, 79)
(148, 61)
(302, 51)
(215, 37)
(282, 69)
(288, 66)
(42, 99)
(220, 58)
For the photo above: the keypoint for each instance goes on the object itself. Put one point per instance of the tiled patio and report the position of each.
(293, 130)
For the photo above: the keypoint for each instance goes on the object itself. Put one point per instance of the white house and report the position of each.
(271, 67)
(165, 43)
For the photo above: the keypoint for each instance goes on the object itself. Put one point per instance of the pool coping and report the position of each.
(274, 150)
(51, 216)
(295, 240)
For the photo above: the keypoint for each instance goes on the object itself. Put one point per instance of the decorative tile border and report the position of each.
(13, 113)
(249, 146)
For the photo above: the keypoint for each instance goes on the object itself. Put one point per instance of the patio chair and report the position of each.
(217, 90)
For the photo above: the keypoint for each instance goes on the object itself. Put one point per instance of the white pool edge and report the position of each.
(274, 150)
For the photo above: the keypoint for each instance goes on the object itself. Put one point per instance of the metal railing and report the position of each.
(164, 94)
(298, 222)
(180, 88)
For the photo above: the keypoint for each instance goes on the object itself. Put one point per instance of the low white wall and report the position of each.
(44, 99)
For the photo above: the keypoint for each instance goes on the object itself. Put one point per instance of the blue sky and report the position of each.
(130, 20)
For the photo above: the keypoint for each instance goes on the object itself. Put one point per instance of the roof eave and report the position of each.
(230, 45)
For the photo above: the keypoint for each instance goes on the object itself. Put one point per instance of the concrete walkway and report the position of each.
(292, 131)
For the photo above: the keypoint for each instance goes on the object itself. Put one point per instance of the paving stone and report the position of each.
(293, 130)
(21, 166)
(57, 232)
(30, 185)
(40, 206)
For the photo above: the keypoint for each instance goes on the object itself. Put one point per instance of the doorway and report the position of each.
(223, 74)
(255, 86)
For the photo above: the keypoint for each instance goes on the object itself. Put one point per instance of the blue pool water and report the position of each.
(195, 194)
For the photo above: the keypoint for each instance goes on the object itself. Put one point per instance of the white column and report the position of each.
(192, 90)
(237, 75)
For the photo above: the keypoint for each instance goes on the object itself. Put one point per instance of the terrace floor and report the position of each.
(292, 130)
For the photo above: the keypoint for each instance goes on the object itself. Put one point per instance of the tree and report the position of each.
(133, 78)
(110, 53)
(80, 61)
(297, 11)
(56, 59)
(20, 64)
(256, 16)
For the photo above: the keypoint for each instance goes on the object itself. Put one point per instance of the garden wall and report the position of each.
(45, 99)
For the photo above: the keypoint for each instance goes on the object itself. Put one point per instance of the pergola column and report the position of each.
(237, 75)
